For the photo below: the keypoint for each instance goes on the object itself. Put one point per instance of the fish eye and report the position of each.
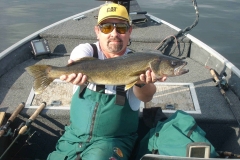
(173, 63)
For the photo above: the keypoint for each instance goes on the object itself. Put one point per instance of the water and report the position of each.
(218, 26)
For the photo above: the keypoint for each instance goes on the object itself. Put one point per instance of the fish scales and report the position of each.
(121, 69)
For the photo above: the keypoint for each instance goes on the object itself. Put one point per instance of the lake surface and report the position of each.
(218, 27)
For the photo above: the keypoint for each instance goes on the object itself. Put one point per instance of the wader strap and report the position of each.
(78, 156)
(100, 87)
(95, 52)
(120, 95)
(82, 90)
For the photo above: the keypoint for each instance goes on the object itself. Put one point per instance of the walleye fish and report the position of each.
(123, 70)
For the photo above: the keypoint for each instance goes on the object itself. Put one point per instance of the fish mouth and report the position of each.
(180, 70)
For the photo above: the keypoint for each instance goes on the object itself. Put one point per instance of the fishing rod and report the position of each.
(221, 83)
(181, 32)
(5, 128)
(25, 128)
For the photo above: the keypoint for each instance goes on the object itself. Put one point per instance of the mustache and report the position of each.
(115, 39)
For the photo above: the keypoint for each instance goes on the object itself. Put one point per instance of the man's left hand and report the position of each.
(150, 77)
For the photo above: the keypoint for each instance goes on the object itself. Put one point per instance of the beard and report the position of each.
(114, 47)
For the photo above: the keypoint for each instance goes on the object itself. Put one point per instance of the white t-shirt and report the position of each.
(86, 50)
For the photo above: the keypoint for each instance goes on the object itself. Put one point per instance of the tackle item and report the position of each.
(5, 129)
(123, 70)
(198, 149)
(25, 128)
(40, 47)
(222, 90)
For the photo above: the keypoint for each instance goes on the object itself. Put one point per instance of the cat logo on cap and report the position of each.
(111, 9)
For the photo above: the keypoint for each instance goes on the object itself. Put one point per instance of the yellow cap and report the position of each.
(113, 10)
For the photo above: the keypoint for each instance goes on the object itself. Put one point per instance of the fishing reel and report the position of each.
(5, 131)
(28, 132)
(16, 130)
(222, 81)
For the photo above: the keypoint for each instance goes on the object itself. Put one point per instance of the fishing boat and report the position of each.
(210, 92)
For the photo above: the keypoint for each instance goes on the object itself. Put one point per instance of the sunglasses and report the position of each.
(121, 28)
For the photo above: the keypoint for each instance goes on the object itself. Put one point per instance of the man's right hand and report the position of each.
(77, 79)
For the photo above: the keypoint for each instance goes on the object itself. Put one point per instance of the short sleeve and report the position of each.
(82, 50)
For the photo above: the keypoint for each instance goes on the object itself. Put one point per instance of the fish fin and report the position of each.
(41, 78)
(82, 60)
(130, 85)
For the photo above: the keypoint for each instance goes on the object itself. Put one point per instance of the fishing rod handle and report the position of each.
(213, 73)
(32, 118)
(17, 111)
(36, 113)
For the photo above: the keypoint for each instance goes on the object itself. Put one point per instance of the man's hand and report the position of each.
(77, 79)
(150, 77)
(146, 92)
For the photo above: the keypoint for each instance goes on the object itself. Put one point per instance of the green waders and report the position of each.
(99, 129)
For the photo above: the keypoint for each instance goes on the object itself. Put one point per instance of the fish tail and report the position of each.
(41, 77)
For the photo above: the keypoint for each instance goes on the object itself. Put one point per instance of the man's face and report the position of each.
(113, 42)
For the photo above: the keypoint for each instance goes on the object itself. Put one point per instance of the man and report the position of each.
(102, 128)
